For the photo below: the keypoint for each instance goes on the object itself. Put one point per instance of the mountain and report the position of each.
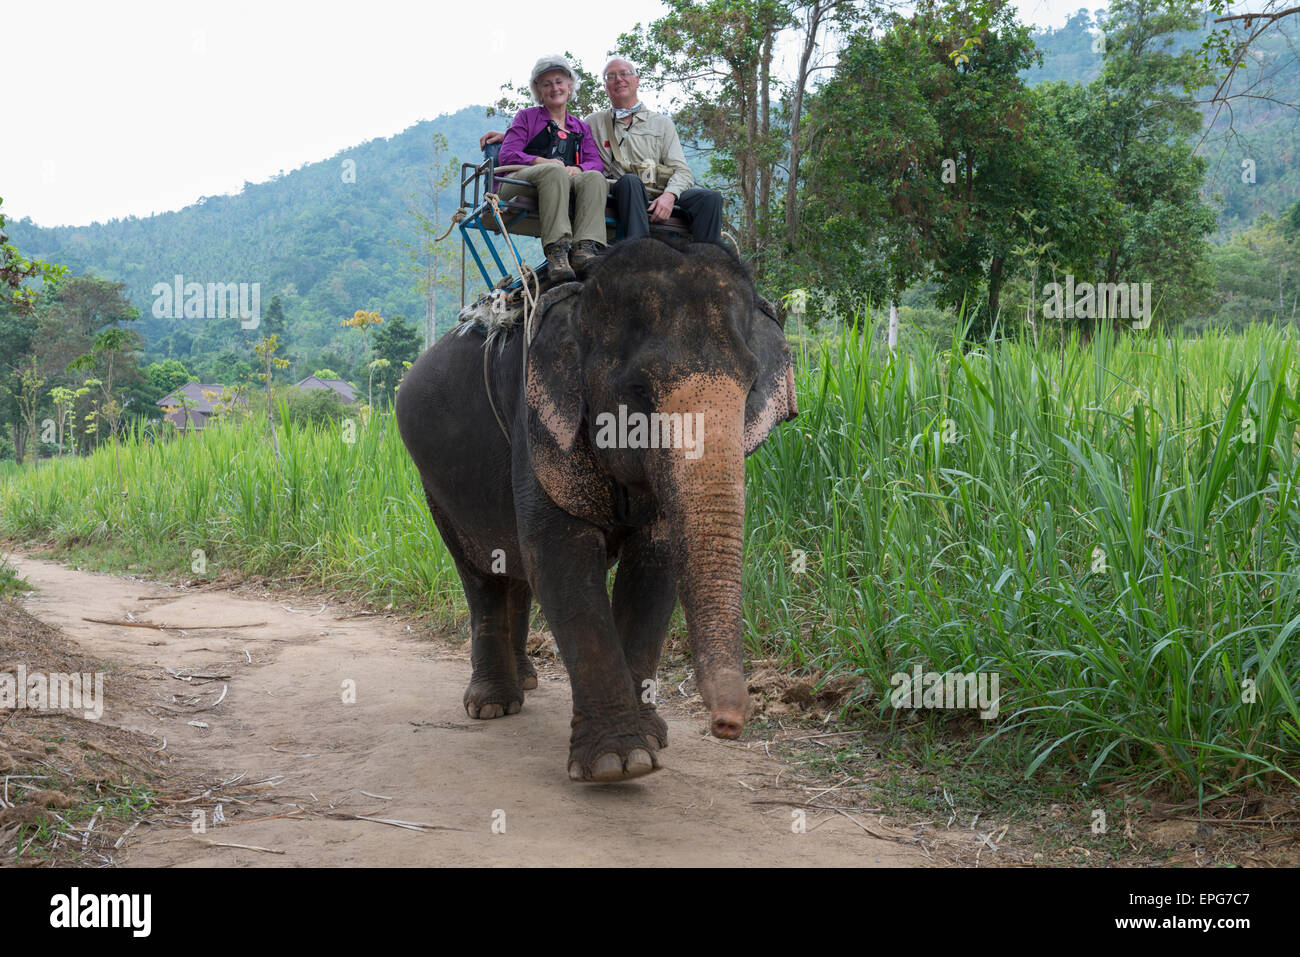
(325, 237)
(1252, 146)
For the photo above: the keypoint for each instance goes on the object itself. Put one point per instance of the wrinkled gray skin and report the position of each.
(656, 329)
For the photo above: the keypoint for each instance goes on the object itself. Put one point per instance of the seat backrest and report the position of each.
(490, 153)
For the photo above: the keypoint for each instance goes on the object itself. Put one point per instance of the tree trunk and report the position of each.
(764, 128)
(792, 208)
(1112, 265)
(746, 166)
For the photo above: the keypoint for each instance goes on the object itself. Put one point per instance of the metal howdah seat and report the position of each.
(519, 214)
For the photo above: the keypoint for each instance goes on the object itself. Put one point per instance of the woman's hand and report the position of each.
(574, 170)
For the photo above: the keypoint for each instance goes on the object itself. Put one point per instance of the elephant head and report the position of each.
(646, 387)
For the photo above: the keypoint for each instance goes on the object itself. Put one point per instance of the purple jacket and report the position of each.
(531, 121)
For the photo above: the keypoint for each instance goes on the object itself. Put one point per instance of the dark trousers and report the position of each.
(702, 209)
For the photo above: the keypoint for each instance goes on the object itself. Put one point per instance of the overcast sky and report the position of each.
(133, 107)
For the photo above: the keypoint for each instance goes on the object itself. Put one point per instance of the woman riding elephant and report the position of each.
(560, 156)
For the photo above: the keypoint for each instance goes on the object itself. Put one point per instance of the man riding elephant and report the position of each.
(636, 145)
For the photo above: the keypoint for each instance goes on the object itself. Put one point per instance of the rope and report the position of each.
(487, 387)
(531, 287)
(456, 217)
(531, 284)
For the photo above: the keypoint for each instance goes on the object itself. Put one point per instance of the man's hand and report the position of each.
(491, 136)
(574, 170)
(661, 207)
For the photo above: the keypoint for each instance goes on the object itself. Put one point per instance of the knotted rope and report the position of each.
(456, 219)
(531, 288)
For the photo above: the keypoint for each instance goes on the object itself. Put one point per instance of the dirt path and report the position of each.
(407, 738)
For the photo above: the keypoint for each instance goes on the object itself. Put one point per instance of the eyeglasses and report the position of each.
(620, 75)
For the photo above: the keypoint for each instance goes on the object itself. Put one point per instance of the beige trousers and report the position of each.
(554, 186)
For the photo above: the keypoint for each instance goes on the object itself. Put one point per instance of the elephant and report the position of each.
(540, 474)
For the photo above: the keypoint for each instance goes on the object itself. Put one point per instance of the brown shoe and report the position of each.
(584, 253)
(557, 261)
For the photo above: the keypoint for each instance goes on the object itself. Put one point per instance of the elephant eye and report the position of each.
(640, 391)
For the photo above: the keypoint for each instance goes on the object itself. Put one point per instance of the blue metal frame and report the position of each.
(474, 176)
(474, 222)
(483, 176)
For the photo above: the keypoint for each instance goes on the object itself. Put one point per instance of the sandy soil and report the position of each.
(407, 739)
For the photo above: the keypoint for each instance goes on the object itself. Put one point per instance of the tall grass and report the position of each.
(1113, 528)
(346, 515)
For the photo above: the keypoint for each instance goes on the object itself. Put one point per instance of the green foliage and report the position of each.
(1136, 135)
(1249, 135)
(1251, 148)
(16, 271)
(75, 331)
(166, 376)
(11, 583)
(314, 406)
(398, 344)
(718, 55)
(230, 367)
(272, 323)
(1257, 273)
(963, 173)
(948, 146)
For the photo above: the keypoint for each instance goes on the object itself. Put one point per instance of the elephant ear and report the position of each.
(553, 386)
(771, 401)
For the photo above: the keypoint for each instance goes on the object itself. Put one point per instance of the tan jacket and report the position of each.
(652, 138)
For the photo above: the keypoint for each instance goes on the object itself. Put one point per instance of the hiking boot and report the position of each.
(583, 254)
(557, 261)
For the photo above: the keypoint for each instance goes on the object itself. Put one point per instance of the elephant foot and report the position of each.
(653, 727)
(609, 755)
(610, 768)
(527, 673)
(492, 699)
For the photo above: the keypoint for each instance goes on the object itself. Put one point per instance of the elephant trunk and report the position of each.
(701, 481)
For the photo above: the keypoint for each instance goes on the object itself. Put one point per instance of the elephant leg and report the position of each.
(494, 688)
(521, 604)
(644, 596)
(567, 561)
